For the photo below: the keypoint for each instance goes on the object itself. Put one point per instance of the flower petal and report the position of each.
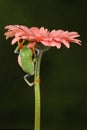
(66, 43)
(15, 40)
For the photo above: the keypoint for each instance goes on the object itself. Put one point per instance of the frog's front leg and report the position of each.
(20, 46)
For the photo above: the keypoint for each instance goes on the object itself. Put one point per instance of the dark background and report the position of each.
(63, 71)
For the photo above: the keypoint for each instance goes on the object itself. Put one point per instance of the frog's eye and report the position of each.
(28, 80)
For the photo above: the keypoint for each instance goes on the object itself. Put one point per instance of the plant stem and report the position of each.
(37, 92)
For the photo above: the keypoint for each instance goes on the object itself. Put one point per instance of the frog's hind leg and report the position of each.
(27, 79)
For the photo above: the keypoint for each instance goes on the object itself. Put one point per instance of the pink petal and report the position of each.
(58, 45)
(30, 45)
(15, 40)
(46, 43)
(66, 43)
(19, 34)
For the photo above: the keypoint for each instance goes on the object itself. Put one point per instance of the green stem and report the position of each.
(37, 92)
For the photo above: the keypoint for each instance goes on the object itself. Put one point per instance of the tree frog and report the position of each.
(27, 63)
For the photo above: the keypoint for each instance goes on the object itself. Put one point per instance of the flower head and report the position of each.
(42, 36)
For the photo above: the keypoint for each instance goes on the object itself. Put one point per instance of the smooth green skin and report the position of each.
(26, 60)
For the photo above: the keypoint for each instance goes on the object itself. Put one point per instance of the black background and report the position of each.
(63, 71)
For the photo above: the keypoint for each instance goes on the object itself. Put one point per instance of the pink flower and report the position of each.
(42, 36)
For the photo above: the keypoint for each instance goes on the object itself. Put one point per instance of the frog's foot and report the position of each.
(27, 79)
